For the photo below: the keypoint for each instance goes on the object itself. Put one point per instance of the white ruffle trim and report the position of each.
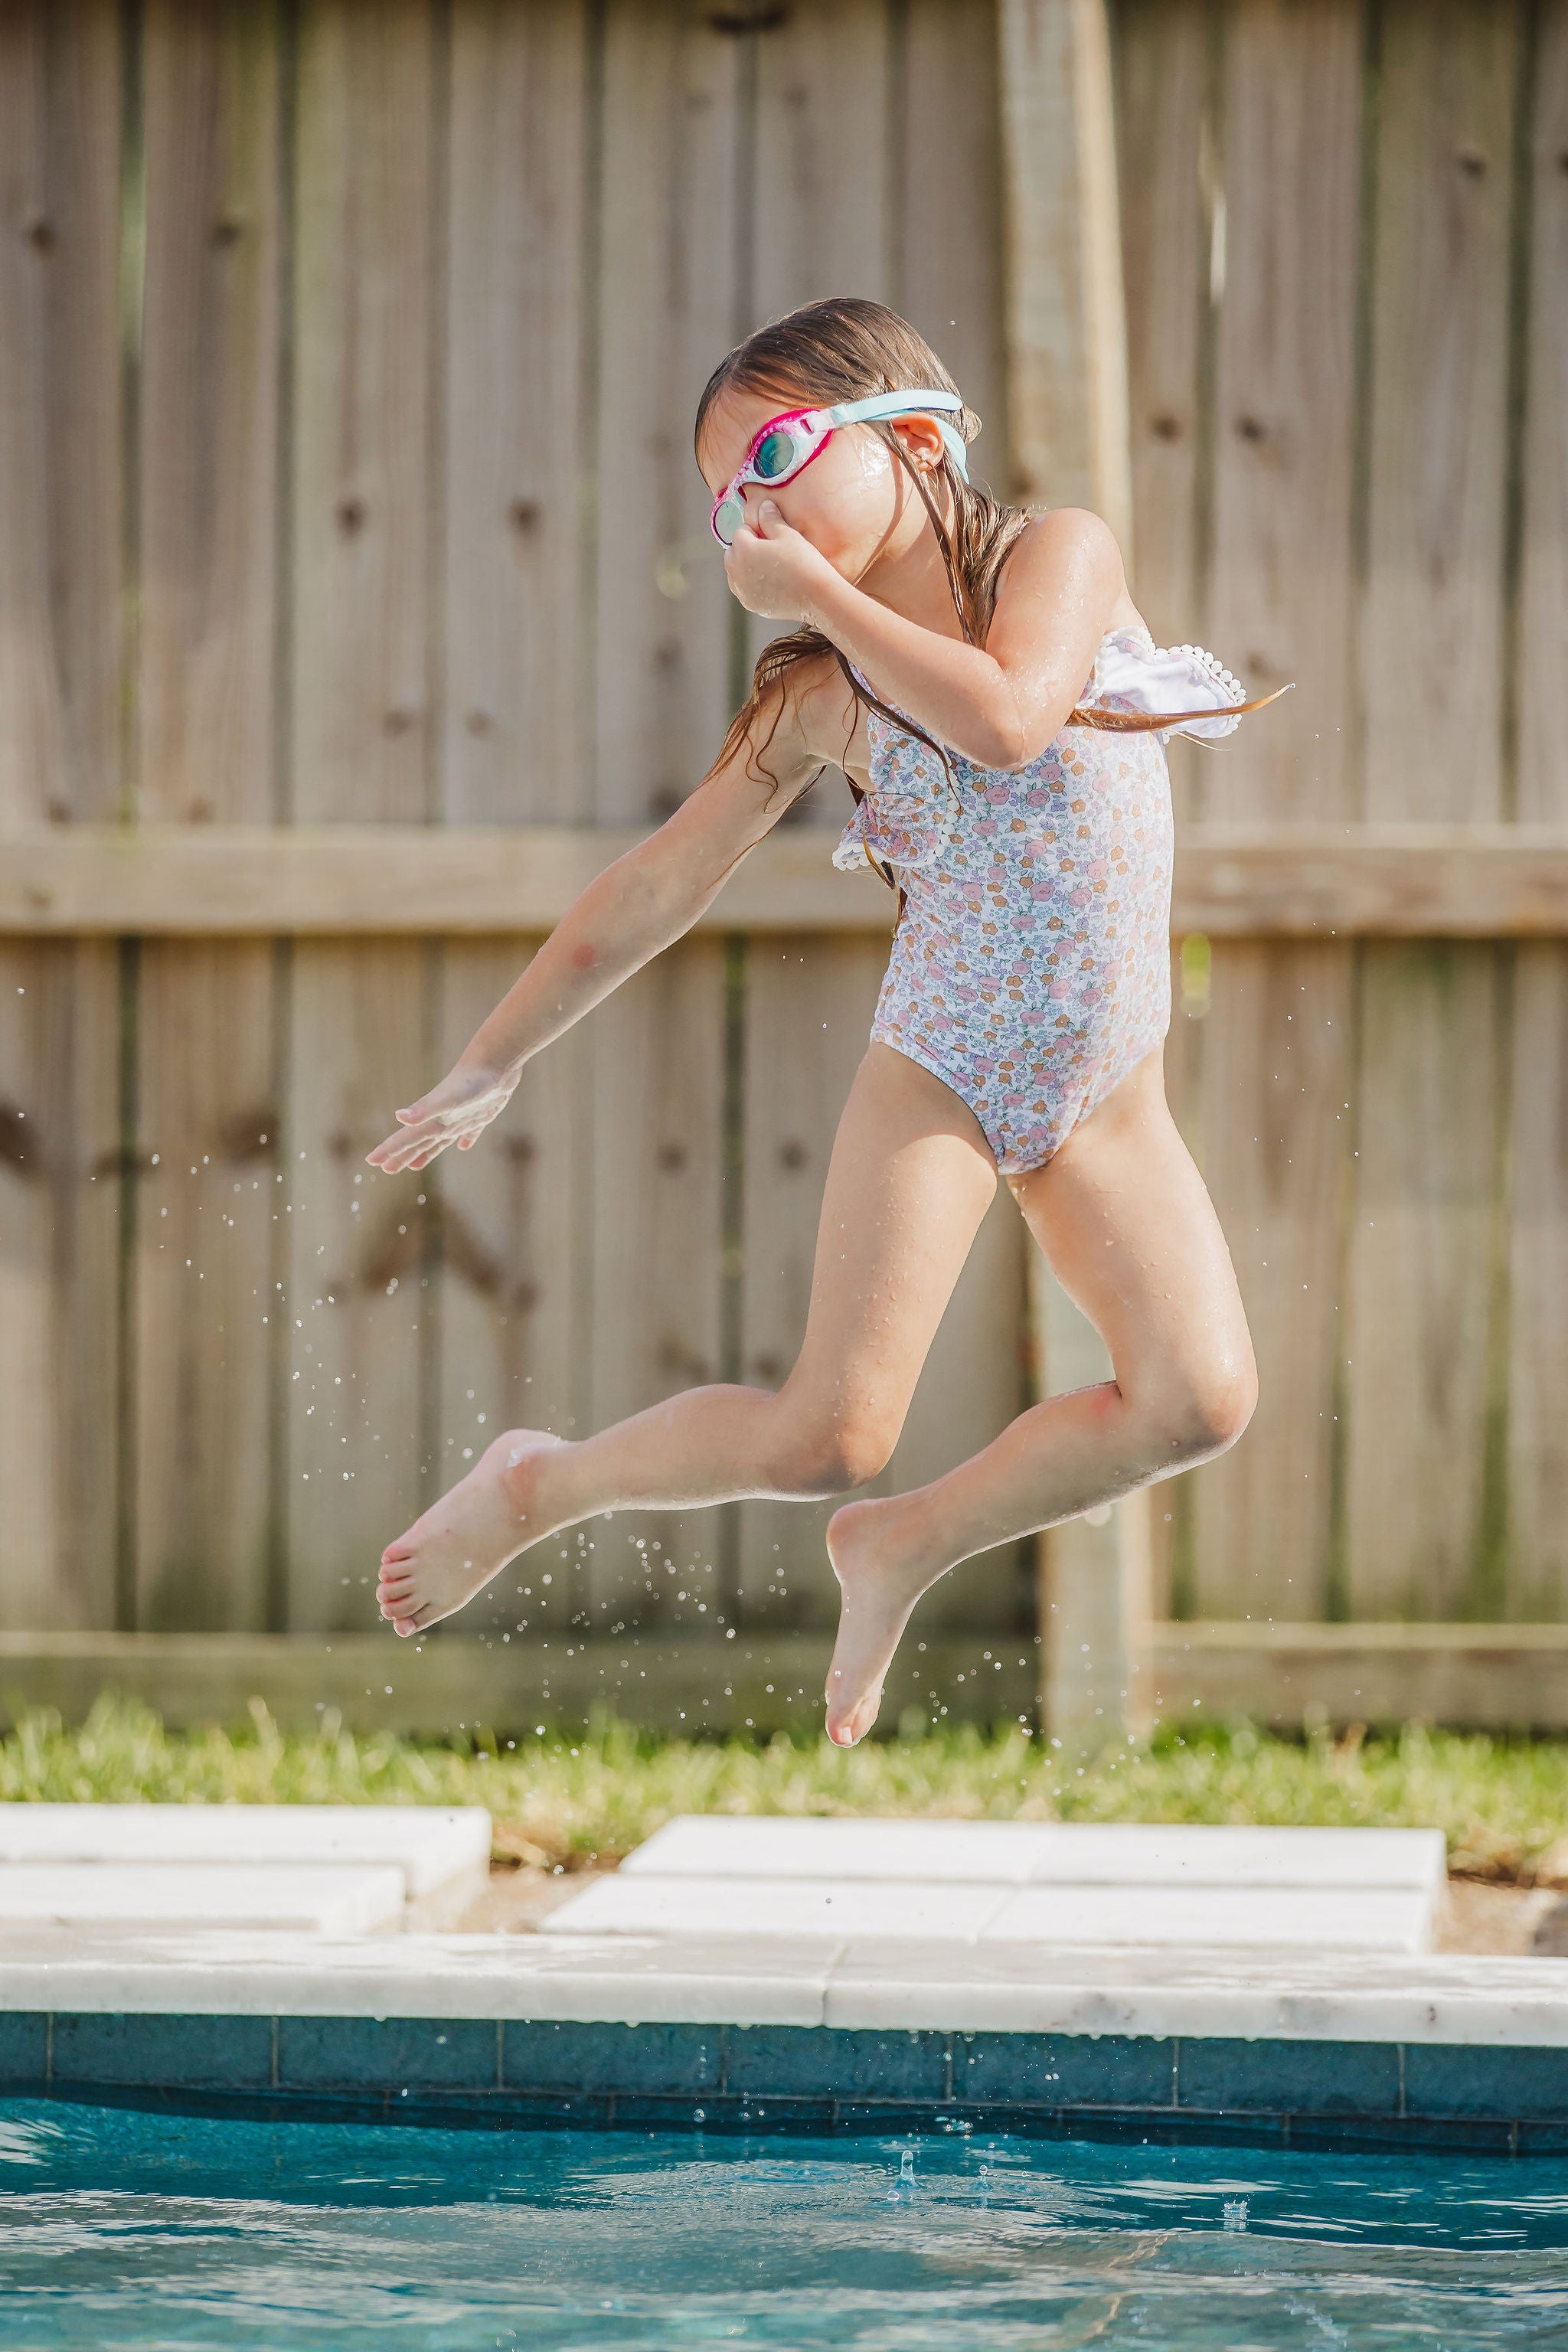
(1168, 678)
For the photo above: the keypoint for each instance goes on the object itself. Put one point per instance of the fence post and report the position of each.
(1066, 329)
(1066, 319)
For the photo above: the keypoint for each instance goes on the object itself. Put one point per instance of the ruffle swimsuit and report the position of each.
(1030, 969)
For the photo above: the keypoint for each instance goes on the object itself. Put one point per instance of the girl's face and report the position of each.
(854, 502)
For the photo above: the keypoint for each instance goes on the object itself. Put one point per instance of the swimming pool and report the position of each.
(138, 2229)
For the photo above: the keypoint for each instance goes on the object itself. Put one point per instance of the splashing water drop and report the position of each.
(1234, 2213)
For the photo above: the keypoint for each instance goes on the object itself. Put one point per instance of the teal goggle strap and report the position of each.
(883, 404)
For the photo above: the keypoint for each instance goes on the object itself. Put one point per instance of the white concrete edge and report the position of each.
(675, 1980)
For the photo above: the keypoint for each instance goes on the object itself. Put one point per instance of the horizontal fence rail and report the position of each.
(1232, 881)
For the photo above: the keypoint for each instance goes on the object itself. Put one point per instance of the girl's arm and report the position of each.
(998, 705)
(627, 914)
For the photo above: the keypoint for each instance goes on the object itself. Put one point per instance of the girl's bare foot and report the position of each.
(882, 1574)
(468, 1535)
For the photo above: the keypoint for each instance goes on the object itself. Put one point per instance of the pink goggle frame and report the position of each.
(786, 443)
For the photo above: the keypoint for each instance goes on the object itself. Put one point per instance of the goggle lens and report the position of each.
(773, 456)
(727, 517)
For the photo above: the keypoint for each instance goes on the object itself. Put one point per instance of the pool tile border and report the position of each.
(506, 2074)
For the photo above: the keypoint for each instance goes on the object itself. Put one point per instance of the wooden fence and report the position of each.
(357, 603)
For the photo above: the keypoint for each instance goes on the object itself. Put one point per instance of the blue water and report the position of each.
(134, 2230)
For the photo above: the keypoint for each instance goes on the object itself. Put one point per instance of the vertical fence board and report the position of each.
(809, 1003)
(208, 413)
(1275, 1071)
(513, 1227)
(514, 742)
(61, 537)
(1284, 403)
(667, 310)
(61, 494)
(360, 592)
(1431, 637)
(1417, 1321)
(664, 304)
(59, 1263)
(207, 1086)
(1537, 1383)
(1543, 600)
(1273, 1053)
(361, 691)
(355, 1278)
(1417, 1310)
(947, 209)
(1162, 74)
(823, 156)
(207, 1205)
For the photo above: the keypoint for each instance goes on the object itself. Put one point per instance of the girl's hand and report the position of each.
(456, 1111)
(773, 569)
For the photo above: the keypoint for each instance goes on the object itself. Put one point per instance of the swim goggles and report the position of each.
(786, 445)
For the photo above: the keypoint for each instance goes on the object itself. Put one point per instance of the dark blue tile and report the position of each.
(826, 2062)
(23, 2045)
(1282, 2078)
(1064, 2070)
(1513, 2082)
(230, 2053)
(389, 2053)
(569, 2056)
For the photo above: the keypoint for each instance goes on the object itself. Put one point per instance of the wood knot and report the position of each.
(524, 514)
(1472, 162)
(672, 1155)
(40, 232)
(477, 722)
(1165, 427)
(759, 17)
(15, 1139)
(247, 1134)
(340, 1145)
(521, 1150)
(227, 230)
(1251, 428)
(398, 721)
(793, 1154)
(352, 514)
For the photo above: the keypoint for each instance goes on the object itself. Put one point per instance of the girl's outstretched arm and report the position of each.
(636, 906)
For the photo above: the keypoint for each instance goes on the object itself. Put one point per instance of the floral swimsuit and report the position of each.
(1030, 971)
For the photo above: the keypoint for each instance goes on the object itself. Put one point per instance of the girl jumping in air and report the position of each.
(985, 681)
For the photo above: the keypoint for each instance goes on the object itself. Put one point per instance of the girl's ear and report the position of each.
(921, 441)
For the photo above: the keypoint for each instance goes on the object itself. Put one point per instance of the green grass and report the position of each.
(569, 1796)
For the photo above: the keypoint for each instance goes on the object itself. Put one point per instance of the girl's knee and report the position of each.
(822, 1453)
(1205, 1409)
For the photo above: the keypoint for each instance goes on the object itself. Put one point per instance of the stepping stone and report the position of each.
(622, 1905)
(436, 1850)
(1019, 1853)
(1050, 1882)
(1268, 1918)
(324, 1899)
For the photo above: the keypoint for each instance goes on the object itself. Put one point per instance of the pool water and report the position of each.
(136, 2230)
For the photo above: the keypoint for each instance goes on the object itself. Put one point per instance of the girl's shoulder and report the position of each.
(1070, 550)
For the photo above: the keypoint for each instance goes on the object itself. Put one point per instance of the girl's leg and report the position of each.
(1128, 1228)
(909, 1179)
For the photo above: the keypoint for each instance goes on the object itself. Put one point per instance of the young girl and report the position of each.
(985, 681)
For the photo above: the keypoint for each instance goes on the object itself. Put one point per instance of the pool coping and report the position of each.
(797, 2034)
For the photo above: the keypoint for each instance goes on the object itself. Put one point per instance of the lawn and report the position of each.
(569, 1796)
